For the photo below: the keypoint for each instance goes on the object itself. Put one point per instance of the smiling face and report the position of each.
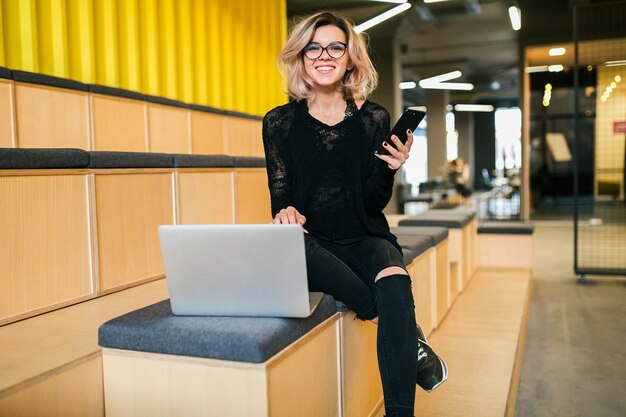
(327, 72)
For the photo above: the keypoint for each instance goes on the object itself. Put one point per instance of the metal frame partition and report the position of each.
(600, 221)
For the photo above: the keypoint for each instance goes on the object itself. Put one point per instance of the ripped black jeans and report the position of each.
(346, 269)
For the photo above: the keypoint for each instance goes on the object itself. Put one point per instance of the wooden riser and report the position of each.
(505, 251)
(302, 380)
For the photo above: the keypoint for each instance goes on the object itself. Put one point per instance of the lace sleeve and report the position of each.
(276, 125)
(379, 183)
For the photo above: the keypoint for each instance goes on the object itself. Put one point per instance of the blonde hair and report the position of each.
(358, 82)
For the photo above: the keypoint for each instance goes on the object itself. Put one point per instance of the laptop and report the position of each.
(237, 270)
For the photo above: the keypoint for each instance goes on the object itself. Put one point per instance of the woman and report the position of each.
(324, 174)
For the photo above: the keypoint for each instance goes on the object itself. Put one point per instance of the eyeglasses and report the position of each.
(334, 49)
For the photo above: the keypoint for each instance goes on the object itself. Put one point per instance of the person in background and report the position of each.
(325, 175)
(459, 177)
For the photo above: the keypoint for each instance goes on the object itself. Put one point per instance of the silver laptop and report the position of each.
(237, 270)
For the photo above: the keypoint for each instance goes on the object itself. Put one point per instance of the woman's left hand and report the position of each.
(399, 153)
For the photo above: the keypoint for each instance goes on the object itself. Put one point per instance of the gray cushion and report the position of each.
(458, 210)
(408, 256)
(243, 115)
(506, 228)
(117, 92)
(35, 78)
(341, 306)
(166, 101)
(106, 159)
(416, 244)
(424, 219)
(5, 73)
(244, 339)
(207, 109)
(437, 234)
(43, 158)
(203, 161)
(249, 162)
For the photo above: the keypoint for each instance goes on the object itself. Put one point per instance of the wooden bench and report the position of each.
(505, 245)
(440, 271)
(157, 363)
(460, 238)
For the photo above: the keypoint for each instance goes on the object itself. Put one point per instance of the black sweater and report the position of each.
(330, 173)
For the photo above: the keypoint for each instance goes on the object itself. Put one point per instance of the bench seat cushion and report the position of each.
(437, 234)
(203, 161)
(416, 244)
(107, 159)
(450, 221)
(244, 339)
(249, 162)
(506, 228)
(43, 158)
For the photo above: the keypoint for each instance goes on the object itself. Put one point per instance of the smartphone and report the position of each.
(409, 120)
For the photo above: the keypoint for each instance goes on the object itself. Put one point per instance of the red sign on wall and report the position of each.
(619, 127)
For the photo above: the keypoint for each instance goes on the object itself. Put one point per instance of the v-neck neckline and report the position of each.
(351, 110)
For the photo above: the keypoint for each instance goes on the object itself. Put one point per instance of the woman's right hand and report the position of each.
(289, 215)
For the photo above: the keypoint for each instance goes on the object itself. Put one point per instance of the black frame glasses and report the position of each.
(314, 50)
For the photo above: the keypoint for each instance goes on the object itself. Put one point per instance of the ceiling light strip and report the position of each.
(474, 107)
(516, 17)
(382, 17)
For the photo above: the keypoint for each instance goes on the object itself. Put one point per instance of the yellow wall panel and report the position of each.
(150, 51)
(189, 50)
(1, 38)
(186, 50)
(20, 26)
(52, 37)
(130, 68)
(80, 38)
(239, 28)
(169, 48)
(216, 66)
(107, 51)
(200, 63)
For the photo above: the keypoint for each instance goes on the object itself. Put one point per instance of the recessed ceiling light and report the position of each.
(555, 68)
(556, 51)
(516, 17)
(495, 85)
(539, 68)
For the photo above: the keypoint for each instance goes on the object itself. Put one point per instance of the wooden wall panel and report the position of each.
(243, 137)
(7, 124)
(362, 388)
(139, 384)
(168, 129)
(50, 117)
(207, 133)
(422, 290)
(303, 380)
(74, 392)
(443, 282)
(119, 124)
(206, 197)
(129, 209)
(45, 244)
(252, 197)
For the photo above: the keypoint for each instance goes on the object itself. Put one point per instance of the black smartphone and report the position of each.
(409, 120)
